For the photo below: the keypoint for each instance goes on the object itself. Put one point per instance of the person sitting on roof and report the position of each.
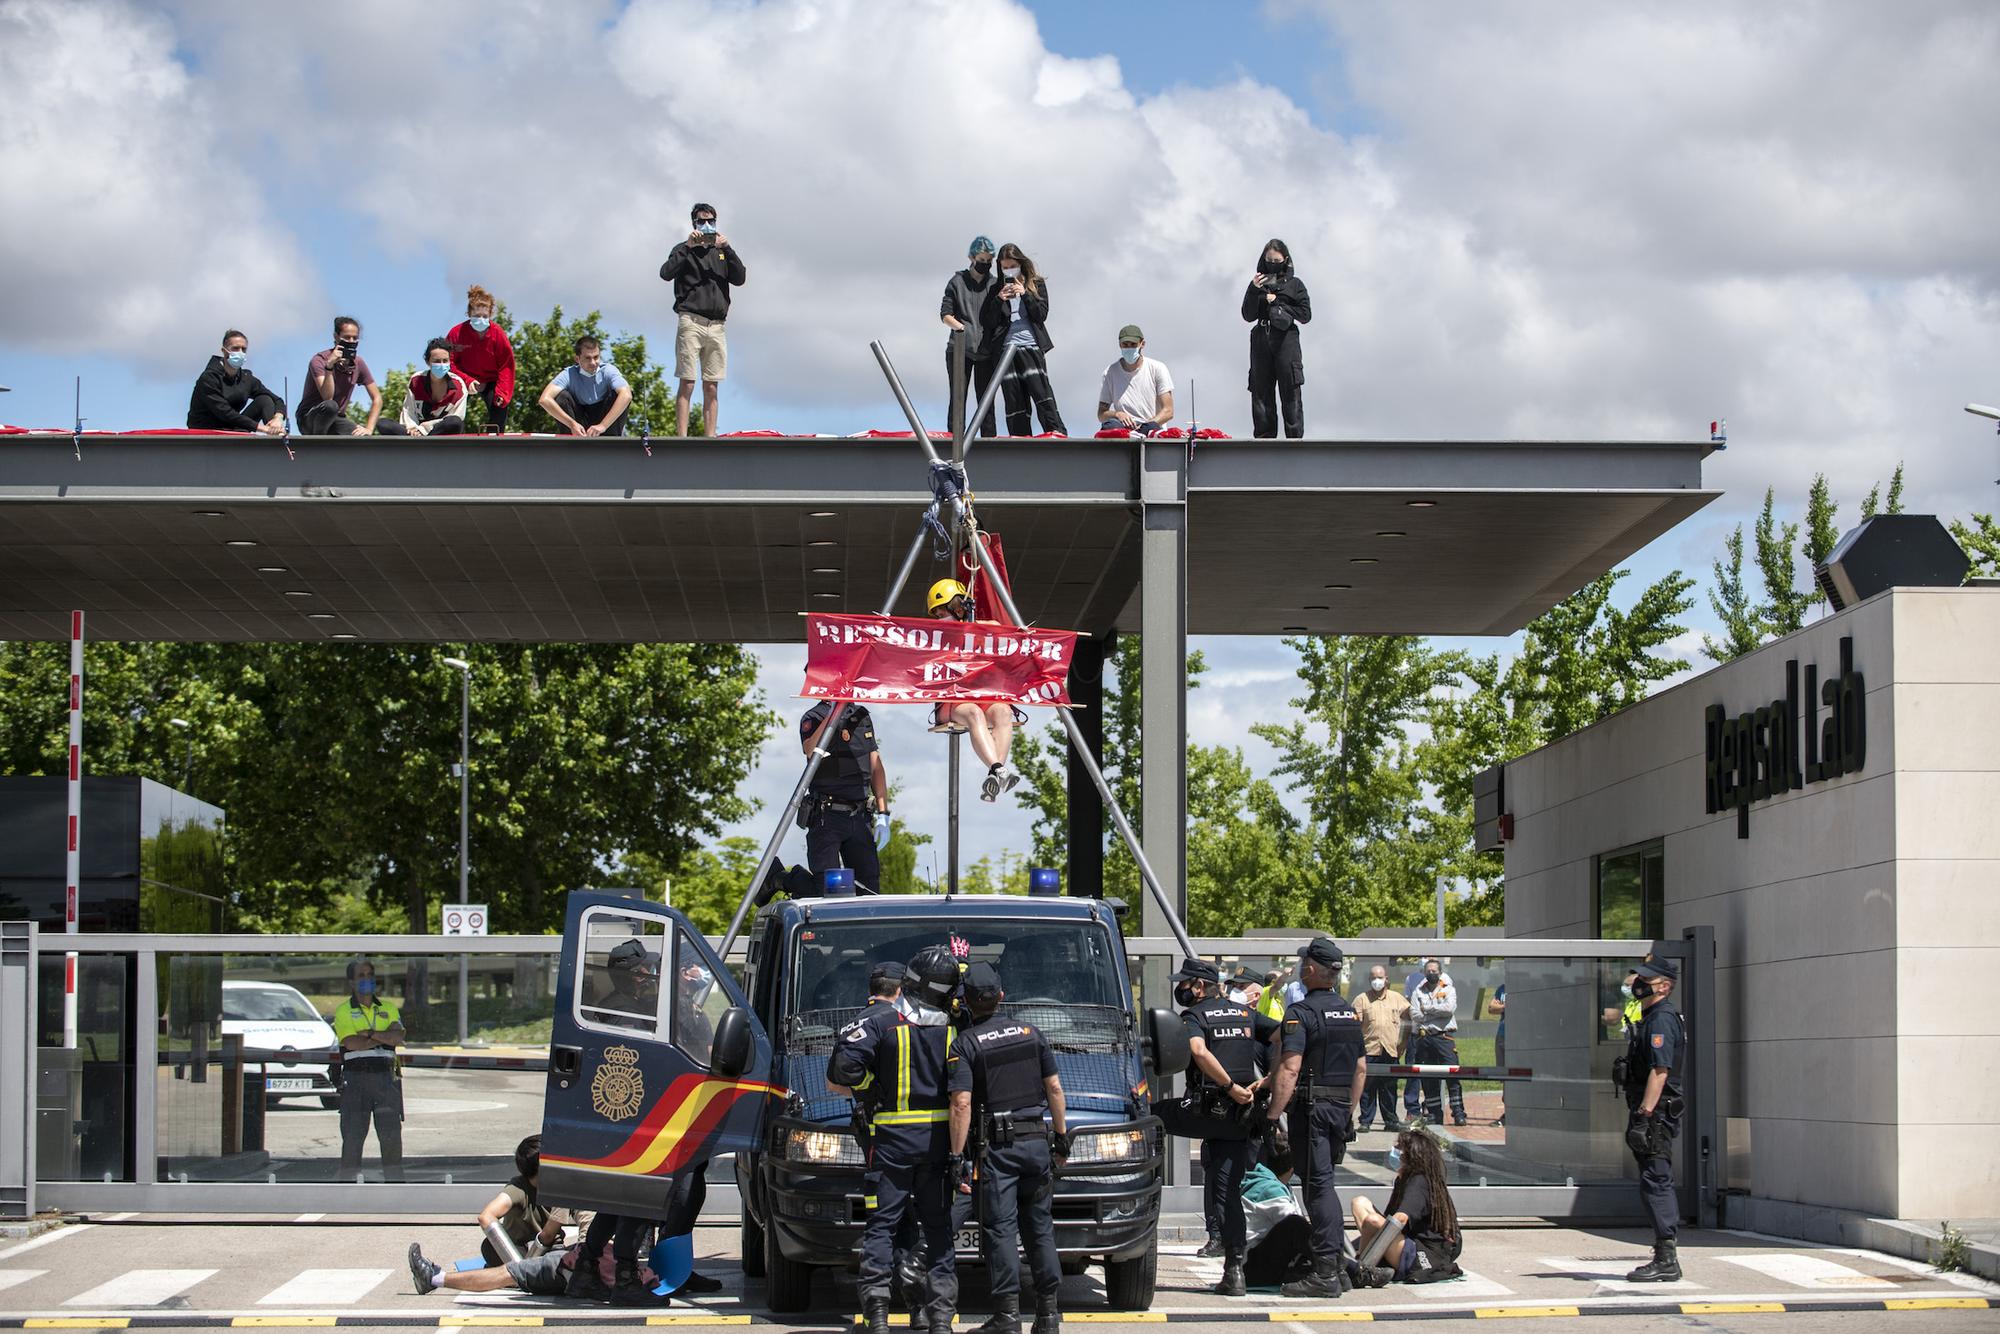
(991, 726)
(1138, 392)
(435, 401)
(228, 397)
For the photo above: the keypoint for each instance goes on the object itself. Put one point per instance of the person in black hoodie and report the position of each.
(1275, 305)
(229, 398)
(1018, 314)
(967, 293)
(702, 269)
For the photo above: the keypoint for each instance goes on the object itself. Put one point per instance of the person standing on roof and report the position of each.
(702, 269)
(963, 310)
(1275, 305)
(841, 829)
(1017, 316)
(1138, 391)
(483, 354)
(228, 397)
(991, 726)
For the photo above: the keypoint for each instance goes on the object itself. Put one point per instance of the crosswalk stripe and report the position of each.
(1806, 1271)
(45, 1239)
(141, 1287)
(1472, 1285)
(1612, 1273)
(10, 1277)
(325, 1287)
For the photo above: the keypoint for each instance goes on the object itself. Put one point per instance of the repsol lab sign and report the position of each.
(1787, 743)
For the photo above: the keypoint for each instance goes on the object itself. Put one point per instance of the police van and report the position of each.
(643, 1086)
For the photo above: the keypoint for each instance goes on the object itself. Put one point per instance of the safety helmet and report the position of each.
(632, 956)
(943, 593)
(933, 975)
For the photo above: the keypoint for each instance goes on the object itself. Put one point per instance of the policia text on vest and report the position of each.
(1757, 754)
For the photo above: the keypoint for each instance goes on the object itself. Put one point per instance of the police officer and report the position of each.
(897, 1054)
(1319, 1079)
(1652, 1079)
(840, 829)
(1002, 1072)
(369, 1028)
(1227, 1038)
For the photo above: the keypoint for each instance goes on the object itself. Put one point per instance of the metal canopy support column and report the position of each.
(1086, 808)
(1163, 665)
(17, 1069)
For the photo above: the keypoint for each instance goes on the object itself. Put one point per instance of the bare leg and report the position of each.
(1000, 718)
(1367, 1222)
(973, 718)
(477, 1280)
(711, 407)
(681, 402)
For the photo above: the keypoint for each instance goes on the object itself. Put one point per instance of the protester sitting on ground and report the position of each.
(1428, 1248)
(990, 726)
(482, 353)
(332, 376)
(1138, 392)
(530, 1225)
(590, 397)
(545, 1275)
(437, 397)
(1279, 1234)
(229, 397)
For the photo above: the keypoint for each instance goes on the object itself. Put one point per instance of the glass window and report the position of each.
(1632, 893)
(699, 1001)
(618, 972)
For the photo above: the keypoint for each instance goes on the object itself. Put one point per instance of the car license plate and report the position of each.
(287, 1085)
(968, 1239)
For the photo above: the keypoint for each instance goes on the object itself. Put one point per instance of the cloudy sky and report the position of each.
(1537, 219)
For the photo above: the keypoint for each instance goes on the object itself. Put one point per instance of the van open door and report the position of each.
(656, 1063)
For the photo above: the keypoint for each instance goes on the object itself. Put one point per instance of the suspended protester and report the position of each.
(1318, 1083)
(228, 397)
(990, 726)
(1227, 1039)
(1650, 1072)
(896, 1057)
(1017, 317)
(484, 355)
(1003, 1081)
(963, 311)
(1275, 305)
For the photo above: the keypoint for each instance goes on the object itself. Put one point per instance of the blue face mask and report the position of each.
(1395, 1159)
(440, 369)
(706, 228)
(364, 986)
(236, 359)
(479, 323)
(1129, 355)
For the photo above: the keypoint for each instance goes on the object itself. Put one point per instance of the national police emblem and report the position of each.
(618, 1090)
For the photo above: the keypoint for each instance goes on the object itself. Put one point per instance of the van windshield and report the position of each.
(270, 1005)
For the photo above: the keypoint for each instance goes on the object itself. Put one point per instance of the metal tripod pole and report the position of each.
(1076, 741)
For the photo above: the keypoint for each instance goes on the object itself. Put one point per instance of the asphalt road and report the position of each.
(141, 1272)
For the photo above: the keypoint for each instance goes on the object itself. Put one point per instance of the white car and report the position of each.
(272, 1017)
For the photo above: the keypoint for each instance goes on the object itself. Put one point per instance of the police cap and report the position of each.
(887, 971)
(981, 981)
(1322, 951)
(1654, 966)
(1197, 970)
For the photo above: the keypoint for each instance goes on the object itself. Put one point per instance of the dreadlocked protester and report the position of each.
(1428, 1247)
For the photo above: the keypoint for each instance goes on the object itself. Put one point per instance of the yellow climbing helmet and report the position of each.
(943, 592)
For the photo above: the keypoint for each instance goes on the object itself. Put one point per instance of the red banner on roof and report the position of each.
(907, 660)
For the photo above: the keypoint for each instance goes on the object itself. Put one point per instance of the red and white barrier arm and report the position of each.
(1499, 1072)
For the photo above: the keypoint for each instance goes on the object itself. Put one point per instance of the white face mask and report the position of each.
(1377, 983)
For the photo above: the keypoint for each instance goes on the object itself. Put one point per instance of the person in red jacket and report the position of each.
(481, 353)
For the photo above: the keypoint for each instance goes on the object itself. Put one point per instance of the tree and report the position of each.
(1981, 539)
(1785, 605)
(1822, 529)
(899, 858)
(1742, 628)
(1873, 503)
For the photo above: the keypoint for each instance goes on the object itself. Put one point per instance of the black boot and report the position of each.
(1006, 1317)
(423, 1273)
(586, 1284)
(1210, 1248)
(875, 1311)
(628, 1290)
(1324, 1282)
(941, 1317)
(1048, 1313)
(1232, 1276)
(1665, 1266)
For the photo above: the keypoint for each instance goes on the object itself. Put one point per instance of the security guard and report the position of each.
(1003, 1073)
(897, 1054)
(1319, 1080)
(369, 1028)
(840, 830)
(1652, 1079)
(1228, 1039)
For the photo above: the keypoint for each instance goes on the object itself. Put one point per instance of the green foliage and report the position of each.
(1954, 1248)
(1872, 504)
(899, 858)
(1742, 627)
(1785, 605)
(1980, 536)
(1822, 528)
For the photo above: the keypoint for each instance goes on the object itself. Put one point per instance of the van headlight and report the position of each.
(1107, 1146)
(827, 1148)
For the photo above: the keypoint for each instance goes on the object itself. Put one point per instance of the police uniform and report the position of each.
(1657, 1044)
(840, 829)
(1239, 1039)
(371, 1087)
(898, 1059)
(1002, 1062)
(1323, 1028)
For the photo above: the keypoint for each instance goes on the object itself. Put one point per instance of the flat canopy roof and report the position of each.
(182, 537)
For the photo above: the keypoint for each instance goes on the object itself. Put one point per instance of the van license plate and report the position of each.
(968, 1239)
(287, 1085)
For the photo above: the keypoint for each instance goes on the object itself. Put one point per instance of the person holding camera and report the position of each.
(963, 311)
(1275, 305)
(331, 379)
(1017, 317)
(482, 353)
(702, 269)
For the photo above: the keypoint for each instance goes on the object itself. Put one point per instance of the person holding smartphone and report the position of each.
(1275, 304)
(331, 379)
(702, 269)
(1017, 317)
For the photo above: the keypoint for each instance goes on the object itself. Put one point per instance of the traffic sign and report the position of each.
(464, 919)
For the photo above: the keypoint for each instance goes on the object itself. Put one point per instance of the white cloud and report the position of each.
(129, 229)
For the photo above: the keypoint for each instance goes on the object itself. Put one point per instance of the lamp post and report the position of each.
(187, 749)
(464, 814)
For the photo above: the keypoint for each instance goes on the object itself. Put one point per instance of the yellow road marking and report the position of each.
(78, 1322)
(1729, 1308)
(281, 1321)
(1935, 1304)
(1521, 1312)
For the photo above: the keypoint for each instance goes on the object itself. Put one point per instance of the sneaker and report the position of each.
(424, 1273)
(1010, 777)
(1372, 1276)
(991, 787)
